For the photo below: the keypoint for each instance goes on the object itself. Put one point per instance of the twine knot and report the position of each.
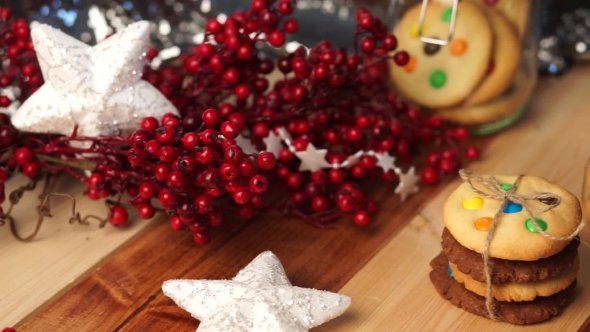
(507, 194)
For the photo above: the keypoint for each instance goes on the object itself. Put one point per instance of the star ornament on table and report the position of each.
(385, 161)
(312, 159)
(99, 88)
(259, 298)
(407, 183)
(273, 143)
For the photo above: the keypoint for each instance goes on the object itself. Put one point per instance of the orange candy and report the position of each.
(411, 65)
(483, 224)
(458, 46)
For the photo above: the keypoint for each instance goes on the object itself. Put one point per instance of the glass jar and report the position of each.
(473, 62)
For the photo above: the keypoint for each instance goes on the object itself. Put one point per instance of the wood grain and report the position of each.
(124, 294)
(34, 272)
(393, 291)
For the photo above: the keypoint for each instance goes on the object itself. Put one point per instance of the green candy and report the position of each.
(447, 14)
(506, 186)
(531, 227)
(438, 79)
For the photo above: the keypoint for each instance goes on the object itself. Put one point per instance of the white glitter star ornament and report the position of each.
(407, 183)
(98, 88)
(259, 298)
(312, 159)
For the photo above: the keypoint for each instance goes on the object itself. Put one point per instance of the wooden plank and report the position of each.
(124, 293)
(393, 291)
(35, 272)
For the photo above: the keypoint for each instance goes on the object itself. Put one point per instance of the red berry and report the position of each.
(146, 190)
(294, 180)
(149, 123)
(238, 119)
(432, 159)
(448, 154)
(354, 134)
(260, 129)
(336, 175)
(436, 121)
(95, 181)
(242, 195)
(119, 216)
(446, 165)
(257, 201)
(461, 134)
(136, 156)
(266, 160)
(166, 154)
(472, 152)
(366, 22)
(214, 26)
(367, 45)
(211, 117)
(206, 50)
(368, 162)
(258, 184)
(258, 5)
(5, 15)
(276, 38)
(429, 176)
(5, 101)
(319, 177)
(191, 64)
(215, 218)
(229, 171)
(166, 198)
(345, 203)
(204, 204)
(244, 52)
(246, 211)
(93, 194)
(161, 172)
(319, 204)
(242, 91)
(291, 26)
(246, 168)
(285, 7)
(30, 169)
(233, 153)
(389, 43)
(175, 179)
(176, 223)
(191, 141)
(22, 156)
(401, 58)
(146, 211)
(165, 135)
(231, 75)
(201, 238)
(361, 218)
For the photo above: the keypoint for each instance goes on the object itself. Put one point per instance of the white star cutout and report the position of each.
(385, 161)
(98, 88)
(312, 159)
(245, 144)
(353, 159)
(273, 143)
(407, 183)
(259, 298)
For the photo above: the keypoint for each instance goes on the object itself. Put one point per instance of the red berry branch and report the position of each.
(227, 90)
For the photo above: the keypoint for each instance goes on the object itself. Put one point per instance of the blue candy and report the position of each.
(450, 271)
(512, 208)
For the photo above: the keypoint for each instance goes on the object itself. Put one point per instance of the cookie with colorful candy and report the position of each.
(509, 248)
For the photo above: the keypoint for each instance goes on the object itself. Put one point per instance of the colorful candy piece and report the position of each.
(431, 49)
(458, 46)
(438, 78)
(473, 203)
(531, 227)
(506, 186)
(483, 224)
(414, 30)
(447, 14)
(449, 270)
(512, 208)
(411, 65)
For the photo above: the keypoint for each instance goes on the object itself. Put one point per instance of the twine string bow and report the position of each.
(496, 192)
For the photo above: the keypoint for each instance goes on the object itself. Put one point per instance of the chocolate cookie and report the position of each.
(471, 263)
(520, 313)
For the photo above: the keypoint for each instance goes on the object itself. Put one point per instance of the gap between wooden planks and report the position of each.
(393, 291)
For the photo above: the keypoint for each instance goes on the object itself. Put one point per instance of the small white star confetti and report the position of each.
(273, 143)
(98, 88)
(312, 159)
(407, 183)
(245, 144)
(259, 298)
(385, 161)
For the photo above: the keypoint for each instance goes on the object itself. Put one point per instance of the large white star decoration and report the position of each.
(273, 143)
(407, 183)
(385, 161)
(245, 144)
(259, 298)
(312, 159)
(98, 88)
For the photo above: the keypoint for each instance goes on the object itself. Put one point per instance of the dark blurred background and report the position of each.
(563, 25)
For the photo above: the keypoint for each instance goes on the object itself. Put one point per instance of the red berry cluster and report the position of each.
(191, 167)
(186, 172)
(20, 67)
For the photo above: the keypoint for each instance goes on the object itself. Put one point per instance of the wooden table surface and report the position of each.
(81, 278)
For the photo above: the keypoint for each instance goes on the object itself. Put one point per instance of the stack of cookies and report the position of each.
(533, 276)
(475, 79)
